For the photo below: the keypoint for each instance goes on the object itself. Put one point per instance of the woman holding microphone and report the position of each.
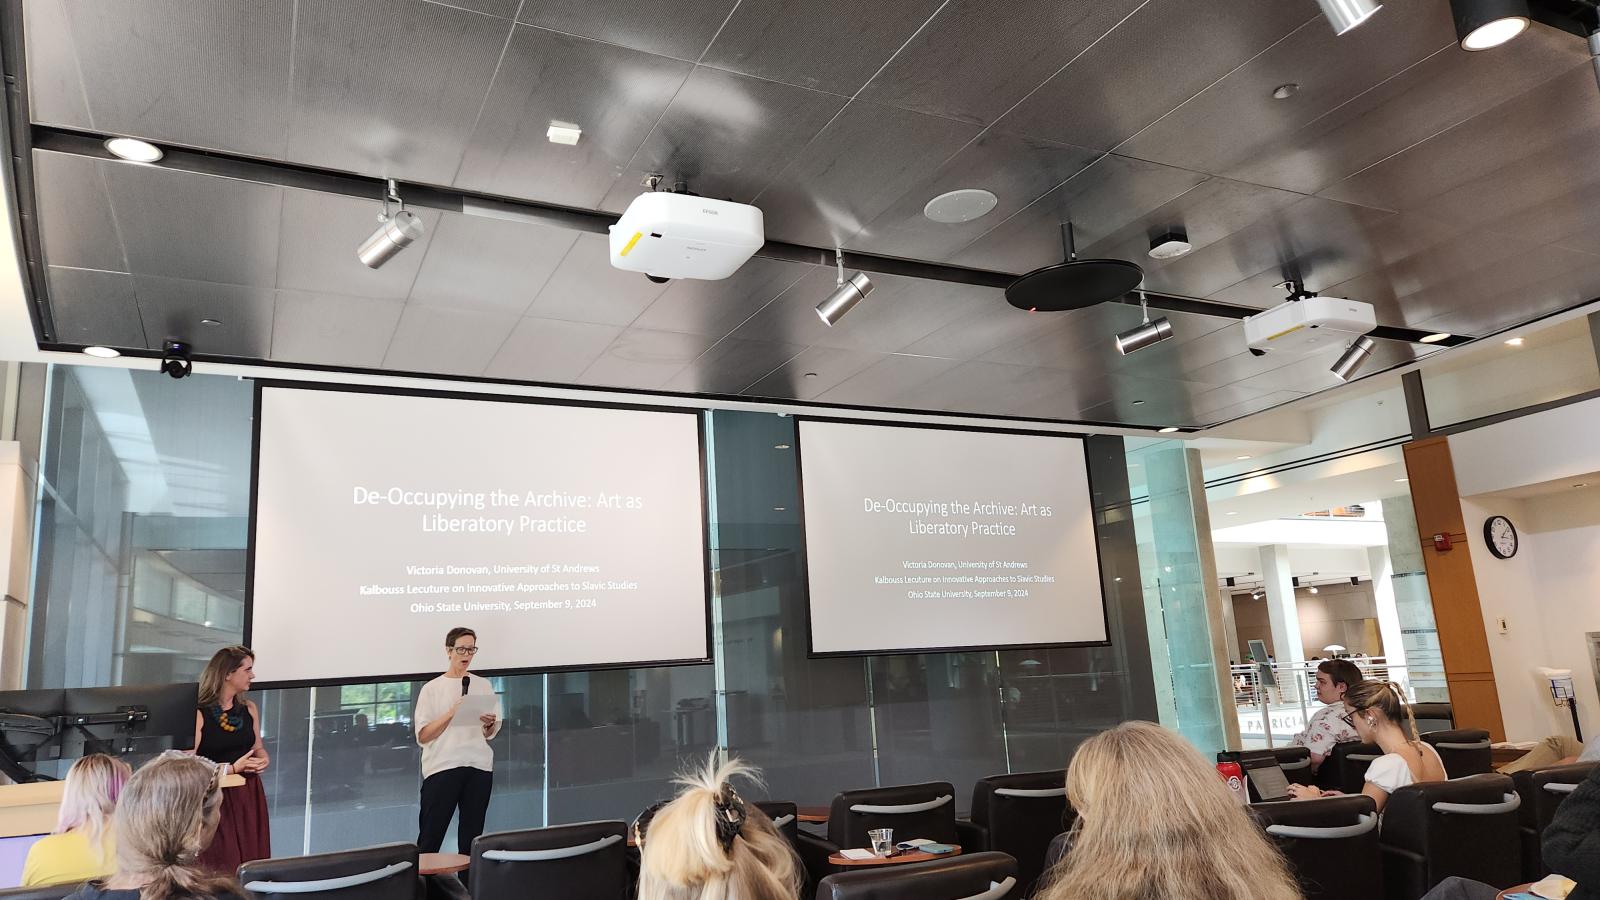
(457, 762)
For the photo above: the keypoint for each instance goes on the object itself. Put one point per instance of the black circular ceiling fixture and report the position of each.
(1075, 283)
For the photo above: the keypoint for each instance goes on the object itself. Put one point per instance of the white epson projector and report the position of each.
(1308, 325)
(667, 235)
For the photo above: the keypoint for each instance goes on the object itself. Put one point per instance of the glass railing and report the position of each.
(1282, 704)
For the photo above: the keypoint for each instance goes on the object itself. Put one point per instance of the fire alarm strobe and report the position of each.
(670, 235)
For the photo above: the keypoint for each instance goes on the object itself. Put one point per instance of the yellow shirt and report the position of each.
(67, 859)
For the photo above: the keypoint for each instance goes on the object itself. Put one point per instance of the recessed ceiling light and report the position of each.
(561, 133)
(1582, 484)
(1171, 245)
(1436, 337)
(1232, 513)
(1241, 457)
(1401, 480)
(102, 352)
(1138, 403)
(1167, 430)
(134, 150)
(1285, 91)
(956, 207)
(779, 508)
(210, 321)
(780, 446)
(1514, 342)
(811, 374)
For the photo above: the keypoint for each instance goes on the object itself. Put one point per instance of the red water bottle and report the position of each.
(1234, 776)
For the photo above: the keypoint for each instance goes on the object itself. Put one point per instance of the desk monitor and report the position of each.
(1265, 776)
(168, 721)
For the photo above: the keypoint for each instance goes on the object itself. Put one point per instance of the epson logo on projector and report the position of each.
(709, 212)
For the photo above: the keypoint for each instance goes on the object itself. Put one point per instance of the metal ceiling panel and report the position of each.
(857, 167)
(1548, 197)
(677, 28)
(1259, 404)
(1542, 285)
(975, 60)
(390, 87)
(1016, 169)
(1438, 93)
(178, 225)
(585, 288)
(193, 72)
(1146, 401)
(826, 45)
(642, 358)
(488, 264)
(884, 381)
(75, 213)
(452, 341)
(504, 9)
(897, 312)
(991, 324)
(94, 307)
(1080, 345)
(335, 330)
(1240, 366)
(550, 350)
(813, 372)
(1112, 91)
(1098, 202)
(716, 308)
(614, 94)
(173, 309)
(731, 366)
(317, 247)
(726, 136)
(986, 388)
(1233, 119)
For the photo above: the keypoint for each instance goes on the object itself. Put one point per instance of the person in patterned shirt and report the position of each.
(1328, 727)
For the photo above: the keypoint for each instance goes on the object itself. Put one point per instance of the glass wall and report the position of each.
(141, 577)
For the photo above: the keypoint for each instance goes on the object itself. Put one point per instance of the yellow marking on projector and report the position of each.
(1270, 337)
(631, 241)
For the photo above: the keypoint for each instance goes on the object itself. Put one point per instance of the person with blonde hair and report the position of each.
(708, 843)
(166, 816)
(1156, 821)
(84, 844)
(1380, 715)
(227, 731)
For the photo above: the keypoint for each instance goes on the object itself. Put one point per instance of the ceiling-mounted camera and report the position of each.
(175, 359)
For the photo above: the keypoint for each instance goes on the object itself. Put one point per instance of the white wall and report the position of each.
(1556, 443)
(1566, 529)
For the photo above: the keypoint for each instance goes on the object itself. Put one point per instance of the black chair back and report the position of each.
(912, 810)
(1296, 764)
(586, 861)
(1542, 790)
(1433, 717)
(1060, 846)
(977, 876)
(1021, 813)
(1466, 827)
(49, 892)
(784, 816)
(1464, 751)
(1345, 769)
(384, 872)
(1331, 844)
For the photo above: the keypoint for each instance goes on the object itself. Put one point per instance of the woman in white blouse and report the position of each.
(1378, 712)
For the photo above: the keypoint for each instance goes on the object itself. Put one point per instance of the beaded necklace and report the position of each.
(227, 724)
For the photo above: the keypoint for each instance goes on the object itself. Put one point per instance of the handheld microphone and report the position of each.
(464, 680)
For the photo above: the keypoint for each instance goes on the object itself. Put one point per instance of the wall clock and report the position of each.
(1501, 536)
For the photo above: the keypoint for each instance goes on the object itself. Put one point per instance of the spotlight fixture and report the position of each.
(846, 294)
(1436, 337)
(1313, 589)
(1257, 593)
(134, 150)
(1146, 334)
(1484, 24)
(396, 231)
(1354, 355)
(1344, 15)
(102, 352)
(1170, 245)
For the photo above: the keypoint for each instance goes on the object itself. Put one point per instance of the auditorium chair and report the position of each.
(586, 861)
(1542, 790)
(1467, 827)
(1345, 769)
(784, 816)
(1331, 844)
(1018, 814)
(912, 810)
(1296, 764)
(384, 872)
(1060, 845)
(1433, 717)
(976, 876)
(48, 892)
(1464, 751)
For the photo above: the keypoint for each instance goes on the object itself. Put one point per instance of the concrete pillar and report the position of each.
(1281, 611)
(1394, 648)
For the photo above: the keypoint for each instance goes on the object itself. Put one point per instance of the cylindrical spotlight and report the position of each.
(1344, 15)
(1153, 331)
(844, 299)
(1352, 358)
(1482, 24)
(396, 233)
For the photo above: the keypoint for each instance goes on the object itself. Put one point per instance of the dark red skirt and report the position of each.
(242, 834)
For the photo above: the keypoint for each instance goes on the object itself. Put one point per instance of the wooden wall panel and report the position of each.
(1453, 587)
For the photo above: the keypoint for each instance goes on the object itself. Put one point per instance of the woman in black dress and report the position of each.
(227, 731)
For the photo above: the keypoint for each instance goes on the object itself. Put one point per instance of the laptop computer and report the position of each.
(1264, 775)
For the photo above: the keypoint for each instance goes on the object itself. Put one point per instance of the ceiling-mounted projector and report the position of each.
(1308, 324)
(672, 235)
